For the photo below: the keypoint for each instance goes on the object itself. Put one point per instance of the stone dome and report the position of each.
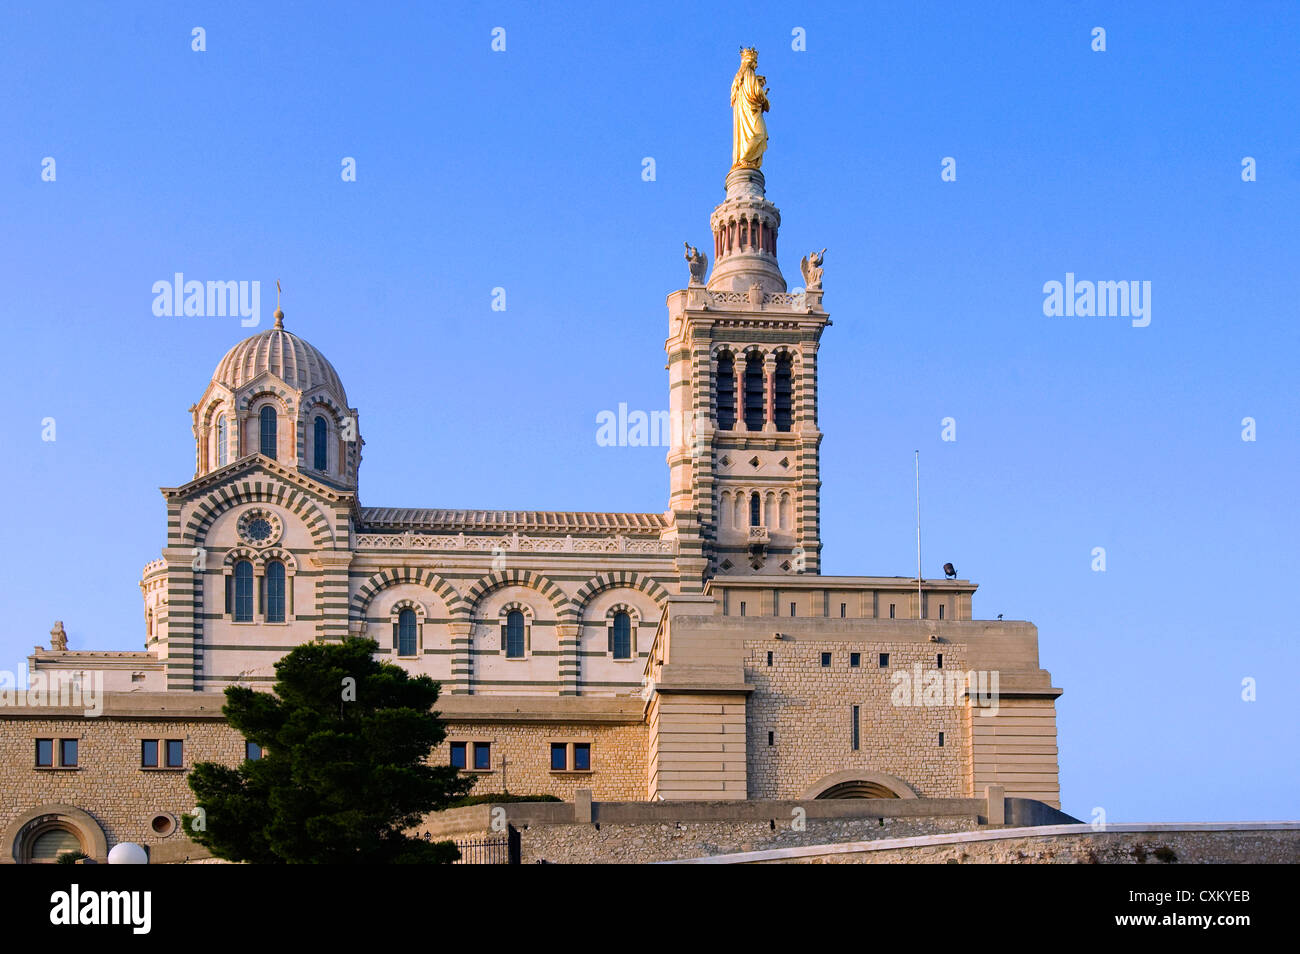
(294, 361)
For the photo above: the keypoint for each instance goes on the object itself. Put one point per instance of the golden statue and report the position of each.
(748, 104)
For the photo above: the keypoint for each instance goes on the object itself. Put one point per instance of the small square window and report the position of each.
(884, 660)
(252, 751)
(826, 660)
(458, 755)
(175, 753)
(582, 756)
(45, 752)
(559, 756)
(482, 755)
(149, 753)
(68, 753)
(855, 660)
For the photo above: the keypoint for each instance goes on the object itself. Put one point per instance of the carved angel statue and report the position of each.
(811, 266)
(698, 263)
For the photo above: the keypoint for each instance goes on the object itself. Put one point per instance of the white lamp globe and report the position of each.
(127, 853)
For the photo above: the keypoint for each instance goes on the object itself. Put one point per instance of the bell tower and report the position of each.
(742, 362)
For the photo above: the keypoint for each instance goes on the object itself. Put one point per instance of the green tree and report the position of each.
(343, 771)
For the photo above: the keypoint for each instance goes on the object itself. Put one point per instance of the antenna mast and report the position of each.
(919, 612)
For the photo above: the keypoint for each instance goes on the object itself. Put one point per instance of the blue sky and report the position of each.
(522, 170)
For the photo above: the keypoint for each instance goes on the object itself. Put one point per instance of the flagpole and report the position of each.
(919, 613)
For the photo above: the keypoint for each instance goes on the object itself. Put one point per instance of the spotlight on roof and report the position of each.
(949, 572)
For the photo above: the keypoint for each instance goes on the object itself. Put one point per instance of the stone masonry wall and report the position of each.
(618, 759)
(808, 708)
(109, 783)
(1151, 848)
(637, 844)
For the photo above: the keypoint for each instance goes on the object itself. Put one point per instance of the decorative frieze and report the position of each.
(516, 542)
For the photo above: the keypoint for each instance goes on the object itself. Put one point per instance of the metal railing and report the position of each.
(491, 850)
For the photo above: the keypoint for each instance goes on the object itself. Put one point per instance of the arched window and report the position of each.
(405, 632)
(515, 635)
(726, 391)
(275, 592)
(754, 392)
(755, 510)
(783, 393)
(620, 636)
(222, 449)
(243, 609)
(268, 430)
(320, 430)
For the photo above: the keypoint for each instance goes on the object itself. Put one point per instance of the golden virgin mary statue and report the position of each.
(748, 104)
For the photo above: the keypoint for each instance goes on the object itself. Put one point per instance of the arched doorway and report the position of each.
(44, 845)
(858, 789)
(42, 834)
(858, 783)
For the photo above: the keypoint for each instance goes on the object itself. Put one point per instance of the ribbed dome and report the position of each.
(285, 355)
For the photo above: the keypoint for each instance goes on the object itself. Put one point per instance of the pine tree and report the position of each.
(343, 771)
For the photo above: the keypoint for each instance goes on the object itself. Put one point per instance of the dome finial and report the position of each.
(279, 315)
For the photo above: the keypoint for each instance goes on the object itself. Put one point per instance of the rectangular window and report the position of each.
(826, 660)
(458, 755)
(769, 657)
(559, 756)
(940, 740)
(771, 737)
(856, 712)
(252, 751)
(742, 607)
(891, 610)
(482, 755)
(855, 660)
(175, 753)
(792, 610)
(582, 756)
(844, 609)
(44, 753)
(941, 611)
(884, 660)
(938, 661)
(68, 753)
(149, 753)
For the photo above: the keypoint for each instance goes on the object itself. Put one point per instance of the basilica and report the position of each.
(690, 652)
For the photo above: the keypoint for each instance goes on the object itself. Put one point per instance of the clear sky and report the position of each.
(523, 170)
